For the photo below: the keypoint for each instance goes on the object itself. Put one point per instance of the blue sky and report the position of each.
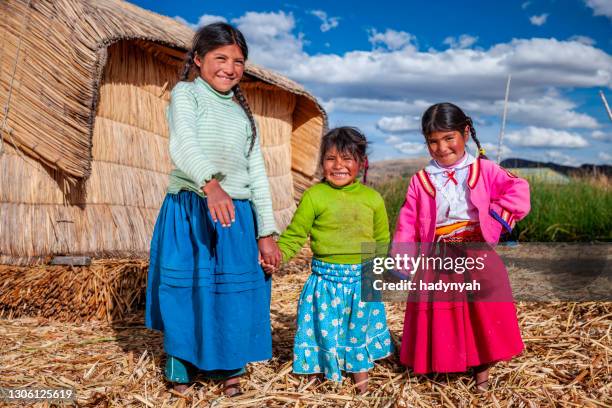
(379, 65)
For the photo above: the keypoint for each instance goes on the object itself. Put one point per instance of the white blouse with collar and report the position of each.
(452, 199)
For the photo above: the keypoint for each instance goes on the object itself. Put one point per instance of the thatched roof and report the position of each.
(51, 65)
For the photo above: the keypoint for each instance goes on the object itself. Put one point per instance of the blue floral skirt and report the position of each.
(336, 331)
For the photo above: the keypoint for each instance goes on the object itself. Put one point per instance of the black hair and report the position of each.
(446, 116)
(209, 38)
(349, 140)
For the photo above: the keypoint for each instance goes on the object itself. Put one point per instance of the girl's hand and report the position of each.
(269, 251)
(269, 269)
(220, 204)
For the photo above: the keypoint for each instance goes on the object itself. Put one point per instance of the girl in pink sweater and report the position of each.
(459, 198)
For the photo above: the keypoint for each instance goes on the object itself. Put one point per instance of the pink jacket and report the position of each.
(500, 197)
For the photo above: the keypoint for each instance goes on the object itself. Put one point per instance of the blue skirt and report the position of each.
(336, 330)
(206, 290)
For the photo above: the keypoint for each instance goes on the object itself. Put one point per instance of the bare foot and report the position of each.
(481, 378)
(180, 388)
(231, 387)
(313, 377)
(361, 382)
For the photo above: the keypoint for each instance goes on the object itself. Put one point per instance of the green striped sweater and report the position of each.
(210, 138)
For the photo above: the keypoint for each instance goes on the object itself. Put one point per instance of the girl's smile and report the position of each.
(339, 168)
(447, 147)
(222, 68)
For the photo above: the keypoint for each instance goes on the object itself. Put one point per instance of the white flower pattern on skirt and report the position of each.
(336, 331)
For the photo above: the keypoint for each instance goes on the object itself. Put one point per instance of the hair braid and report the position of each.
(188, 64)
(247, 109)
(481, 151)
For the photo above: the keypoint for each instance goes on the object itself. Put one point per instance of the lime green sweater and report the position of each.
(338, 220)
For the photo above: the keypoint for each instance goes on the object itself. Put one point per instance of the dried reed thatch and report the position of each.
(85, 159)
(105, 290)
(566, 363)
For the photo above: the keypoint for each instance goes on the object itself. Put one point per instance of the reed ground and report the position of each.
(566, 362)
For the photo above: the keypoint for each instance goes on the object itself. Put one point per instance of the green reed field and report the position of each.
(579, 211)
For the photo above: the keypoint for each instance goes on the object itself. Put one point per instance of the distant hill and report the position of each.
(585, 169)
(389, 169)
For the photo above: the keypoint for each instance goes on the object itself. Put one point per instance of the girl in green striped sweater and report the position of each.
(215, 223)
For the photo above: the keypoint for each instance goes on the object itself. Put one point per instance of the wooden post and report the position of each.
(605, 102)
(503, 126)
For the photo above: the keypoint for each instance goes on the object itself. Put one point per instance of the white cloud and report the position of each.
(391, 39)
(600, 7)
(605, 157)
(262, 27)
(491, 150)
(583, 39)
(411, 148)
(561, 158)
(327, 23)
(464, 41)
(271, 40)
(365, 105)
(544, 111)
(407, 146)
(599, 135)
(209, 19)
(525, 5)
(539, 20)
(399, 124)
(536, 65)
(183, 21)
(205, 19)
(395, 69)
(532, 136)
(392, 140)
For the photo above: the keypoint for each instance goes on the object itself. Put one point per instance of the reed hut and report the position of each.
(84, 148)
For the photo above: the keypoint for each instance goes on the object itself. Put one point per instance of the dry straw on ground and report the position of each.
(566, 363)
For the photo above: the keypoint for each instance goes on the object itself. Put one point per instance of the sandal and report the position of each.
(481, 387)
(180, 388)
(232, 388)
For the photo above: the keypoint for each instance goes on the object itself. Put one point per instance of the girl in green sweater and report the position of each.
(336, 330)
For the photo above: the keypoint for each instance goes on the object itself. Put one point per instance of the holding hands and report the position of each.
(269, 254)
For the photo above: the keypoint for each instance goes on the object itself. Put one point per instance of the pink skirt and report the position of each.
(451, 336)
